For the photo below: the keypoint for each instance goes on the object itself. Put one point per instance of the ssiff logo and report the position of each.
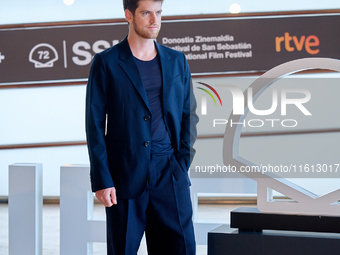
(302, 201)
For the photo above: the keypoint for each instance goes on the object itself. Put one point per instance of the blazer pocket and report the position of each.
(176, 78)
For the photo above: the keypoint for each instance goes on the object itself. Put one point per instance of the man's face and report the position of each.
(146, 21)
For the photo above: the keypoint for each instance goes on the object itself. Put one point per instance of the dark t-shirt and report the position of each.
(151, 74)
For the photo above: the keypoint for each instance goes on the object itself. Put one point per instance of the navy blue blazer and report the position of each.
(118, 126)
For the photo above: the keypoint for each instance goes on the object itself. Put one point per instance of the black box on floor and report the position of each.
(254, 237)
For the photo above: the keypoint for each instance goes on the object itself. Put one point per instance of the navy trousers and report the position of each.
(163, 211)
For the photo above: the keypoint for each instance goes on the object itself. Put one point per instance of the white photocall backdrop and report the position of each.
(56, 114)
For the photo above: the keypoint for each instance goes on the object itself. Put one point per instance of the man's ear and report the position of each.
(128, 16)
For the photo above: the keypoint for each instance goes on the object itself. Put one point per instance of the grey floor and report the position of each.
(51, 227)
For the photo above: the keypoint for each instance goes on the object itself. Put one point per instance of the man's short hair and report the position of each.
(132, 5)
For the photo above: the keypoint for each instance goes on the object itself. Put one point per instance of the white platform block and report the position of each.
(25, 209)
(78, 230)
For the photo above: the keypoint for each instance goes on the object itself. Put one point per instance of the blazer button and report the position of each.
(147, 144)
(147, 118)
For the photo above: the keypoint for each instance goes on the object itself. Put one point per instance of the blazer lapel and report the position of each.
(129, 66)
(167, 75)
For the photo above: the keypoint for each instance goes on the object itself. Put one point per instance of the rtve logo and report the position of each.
(290, 43)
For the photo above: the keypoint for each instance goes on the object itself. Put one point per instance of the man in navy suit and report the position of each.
(141, 126)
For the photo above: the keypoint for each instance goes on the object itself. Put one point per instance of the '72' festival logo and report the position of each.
(43, 55)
